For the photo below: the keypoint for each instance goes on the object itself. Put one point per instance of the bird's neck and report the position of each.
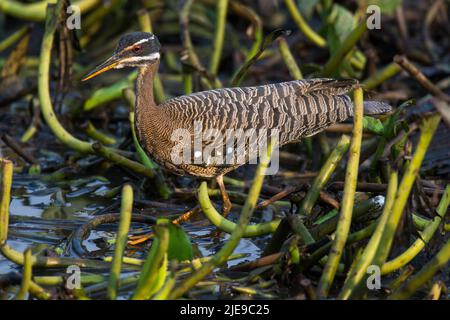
(149, 117)
(145, 100)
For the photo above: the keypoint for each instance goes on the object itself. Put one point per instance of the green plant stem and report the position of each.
(421, 223)
(92, 132)
(29, 133)
(302, 25)
(7, 169)
(50, 262)
(397, 282)
(153, 262)
(120, 160)
(26, 276)
(39, 292)
(424, 238)
(428, 127)
(311, 197)
(9, 41)
(323, 250)
(226, 225)
(110, 93)
(345, 218)
(289, 59)
(381, 76)
(36, 11)
(43, 86)
(324, 175)
(359, 210)
(121, 241)
(360, 269)
(221, 16)
(228, 248)
(257, 26)
(333, 63)
(439, 261)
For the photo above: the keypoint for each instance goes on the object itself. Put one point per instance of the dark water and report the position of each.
(44, 215)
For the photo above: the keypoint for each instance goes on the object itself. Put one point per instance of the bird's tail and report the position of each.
(376, 107)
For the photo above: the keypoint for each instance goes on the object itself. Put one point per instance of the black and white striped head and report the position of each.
(136, 49)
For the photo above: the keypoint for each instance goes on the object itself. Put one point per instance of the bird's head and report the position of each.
(136, 49)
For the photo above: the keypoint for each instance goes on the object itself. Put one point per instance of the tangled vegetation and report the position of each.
(364, 198)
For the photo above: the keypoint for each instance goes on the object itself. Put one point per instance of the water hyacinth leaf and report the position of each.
(180, 246)
(343, 22)
(373, 125)
(340, 24)
(391, 124)
(306, 7)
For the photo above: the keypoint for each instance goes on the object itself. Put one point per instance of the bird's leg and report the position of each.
(133, 240)
(226, 203)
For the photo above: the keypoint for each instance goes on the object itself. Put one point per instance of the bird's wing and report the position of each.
(295, 109)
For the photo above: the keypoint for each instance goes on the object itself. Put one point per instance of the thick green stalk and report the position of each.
(333, 63)
(257, 26)
(289, 59)
(221, 16)
(44, 90)
(26, 276)
(39, 292)
(439, 261)
(302, 25)
(156, 257)
(5, 194)
(345, 218)
(323, 250)
(324, 175)
(113, 92)
(92, 132)
(428, 127)
(311, 197)
(360, 269)
(121, 241)
(226, 225)
(425, 237)
(120, 160)
(228, 248)
(361, 209)
(381, 76)
(50, 262)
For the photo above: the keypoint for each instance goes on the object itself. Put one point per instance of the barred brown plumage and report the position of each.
(295, 109)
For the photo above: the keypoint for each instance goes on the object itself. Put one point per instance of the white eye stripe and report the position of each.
(150, 57)
(141, 41)
(144, 40)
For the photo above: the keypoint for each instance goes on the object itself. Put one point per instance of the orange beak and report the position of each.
(105, 66)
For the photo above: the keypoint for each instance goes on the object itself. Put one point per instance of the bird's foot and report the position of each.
(134, 240)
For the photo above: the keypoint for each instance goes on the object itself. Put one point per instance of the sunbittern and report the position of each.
(297, 109)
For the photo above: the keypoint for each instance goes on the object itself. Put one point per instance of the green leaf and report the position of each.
(343, 22)
(180, 247)
(306, 7)
(373, 125)
(391, 125)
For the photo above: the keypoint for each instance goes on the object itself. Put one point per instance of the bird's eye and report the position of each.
(137, 48)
